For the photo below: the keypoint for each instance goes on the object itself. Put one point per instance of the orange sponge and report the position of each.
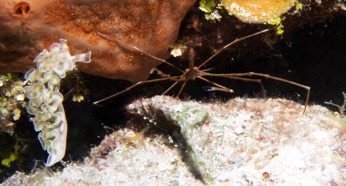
(30, 25)
(257, 11)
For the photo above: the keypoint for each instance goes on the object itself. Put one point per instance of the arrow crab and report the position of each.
(197, 72)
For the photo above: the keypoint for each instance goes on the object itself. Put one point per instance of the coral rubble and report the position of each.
(240, 142)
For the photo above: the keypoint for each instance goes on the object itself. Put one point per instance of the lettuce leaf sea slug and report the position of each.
(45, 100)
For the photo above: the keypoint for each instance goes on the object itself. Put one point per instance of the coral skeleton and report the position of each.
(45, 100)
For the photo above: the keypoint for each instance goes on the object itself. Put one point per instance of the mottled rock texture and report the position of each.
(239, 142)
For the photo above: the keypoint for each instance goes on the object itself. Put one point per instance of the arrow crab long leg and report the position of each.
(196, 72)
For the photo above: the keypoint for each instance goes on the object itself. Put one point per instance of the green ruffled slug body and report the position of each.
(45, 100)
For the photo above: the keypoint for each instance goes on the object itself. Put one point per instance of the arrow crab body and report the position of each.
(196, 72)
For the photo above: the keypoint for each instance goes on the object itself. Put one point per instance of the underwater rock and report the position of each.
(257, 141)
(239, 142)
(99, 26)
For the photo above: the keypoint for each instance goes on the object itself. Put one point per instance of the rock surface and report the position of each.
(240, 142)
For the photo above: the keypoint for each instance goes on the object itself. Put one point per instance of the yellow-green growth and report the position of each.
(278, 23)
(16, 114)
(299, 6)
(10, 148)
(207, 6)
(6, 162)
(11, 99)
(138, 137)
(5, 78)
(211, 10)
